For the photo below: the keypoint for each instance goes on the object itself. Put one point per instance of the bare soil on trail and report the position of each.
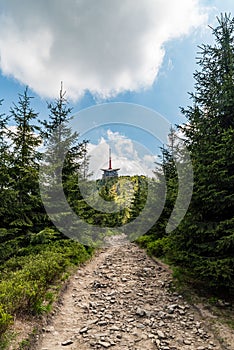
(122, 299)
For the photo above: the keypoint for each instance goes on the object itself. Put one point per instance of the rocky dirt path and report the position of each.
(122, 300)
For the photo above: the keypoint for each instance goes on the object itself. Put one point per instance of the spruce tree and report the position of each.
(26, 204)
(5, 162)
(166, 184)
(63, 157)
(204, 242)
(62, 144)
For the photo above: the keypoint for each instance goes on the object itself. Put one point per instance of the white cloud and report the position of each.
(103, 46)
(130, 157)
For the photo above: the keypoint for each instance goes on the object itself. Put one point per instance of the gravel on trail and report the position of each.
(122, 299)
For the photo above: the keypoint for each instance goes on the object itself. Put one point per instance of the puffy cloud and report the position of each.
(129, 156)
(102, 46)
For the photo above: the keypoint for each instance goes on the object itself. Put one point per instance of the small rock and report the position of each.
(67, 342)
(181, 312)
(83, 330)
(170, 311)
(161, 314)
(151, 336)
(91, 322)
(48, 329)
(161, 334)
(105, 344)
(114, 328)
(158, 343)
(140, 312)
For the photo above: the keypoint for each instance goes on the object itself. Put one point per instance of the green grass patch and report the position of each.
(26, 279)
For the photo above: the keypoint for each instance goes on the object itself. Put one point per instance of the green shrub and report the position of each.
(144, 241)
(44, 237)
(43, 306)
(25, 279)
(158, 248)
(5, 320)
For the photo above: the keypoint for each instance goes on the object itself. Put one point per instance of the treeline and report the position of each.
(22, 134)
(43, 160)
(202, 246)
(33, 253)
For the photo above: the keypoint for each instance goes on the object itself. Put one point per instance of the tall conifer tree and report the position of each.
(5, 161)
(63, 156)
(205, 240)
(26, 204)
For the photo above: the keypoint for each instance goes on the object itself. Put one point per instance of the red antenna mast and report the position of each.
(110, 167)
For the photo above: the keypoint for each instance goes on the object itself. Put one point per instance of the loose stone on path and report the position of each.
(122, 300)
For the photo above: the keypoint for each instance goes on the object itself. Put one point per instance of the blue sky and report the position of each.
(116, 52)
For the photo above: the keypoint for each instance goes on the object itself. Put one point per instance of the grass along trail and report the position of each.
(122, 300)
